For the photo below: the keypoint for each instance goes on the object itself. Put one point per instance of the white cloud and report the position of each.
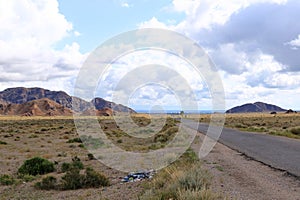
(76, 33)
(205, 13)
(255, 48)
(154, 23)
(29, 30)
(125, 5)
(295, 42)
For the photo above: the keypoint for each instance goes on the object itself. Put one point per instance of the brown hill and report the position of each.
(40, 107)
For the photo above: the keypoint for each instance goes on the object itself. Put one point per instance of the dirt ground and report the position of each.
(235, 176)
(48, 138)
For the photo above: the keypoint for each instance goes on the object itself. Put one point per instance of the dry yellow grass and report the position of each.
(48, 137)
(281, 124)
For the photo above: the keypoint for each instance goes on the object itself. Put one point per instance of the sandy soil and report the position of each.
(236, 176)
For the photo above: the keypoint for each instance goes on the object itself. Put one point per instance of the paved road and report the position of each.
(278, 152)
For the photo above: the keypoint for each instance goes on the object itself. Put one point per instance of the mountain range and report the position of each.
(43, 102)
(256, 107)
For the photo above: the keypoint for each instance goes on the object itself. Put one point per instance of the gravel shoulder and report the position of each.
(236, 176)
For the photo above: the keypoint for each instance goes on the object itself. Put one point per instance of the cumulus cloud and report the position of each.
(154, 23)
(295, 43)
(254, 43)
(125, 5)
(29, 30)
(265, 27)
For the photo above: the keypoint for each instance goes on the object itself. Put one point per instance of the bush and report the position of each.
(91, 156)
(47, 183)
(36, 166)
(95, 179)
(74, 140)
(195, 179)
(72, 180)
(66, 167)
(295, 131)
(26, 177)
(76, 163)
(6, 180)
(2, 142)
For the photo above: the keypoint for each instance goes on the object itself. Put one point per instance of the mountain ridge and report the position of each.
(21, 96)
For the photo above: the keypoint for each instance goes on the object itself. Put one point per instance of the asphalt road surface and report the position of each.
(278, 152)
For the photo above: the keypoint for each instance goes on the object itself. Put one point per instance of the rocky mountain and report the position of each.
(40, 107)
(95, 112)
(21, 95)
(255, 107)
(100, 104)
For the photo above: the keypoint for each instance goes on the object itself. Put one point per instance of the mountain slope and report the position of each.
(255, 107)
(21, 95)
(40, 107)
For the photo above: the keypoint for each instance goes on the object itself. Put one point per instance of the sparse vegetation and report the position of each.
(6, 180)
(73, 180)
(281, 124)
(184, 179)
(47, 183)
(74, 140)
(44, 137)
(295, 131)
(76, 163)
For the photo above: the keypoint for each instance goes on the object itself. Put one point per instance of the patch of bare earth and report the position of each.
(235, 176)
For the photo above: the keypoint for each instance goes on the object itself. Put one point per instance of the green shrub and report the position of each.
(91, 156)
(66, 167)
(295, 131)
(95, 179)
(6, 180)
(2, 142)
(119, 141)
(36, 166)
(47, 183)
(74, 140)
(76, 163)
(72, 180)
(26, 177)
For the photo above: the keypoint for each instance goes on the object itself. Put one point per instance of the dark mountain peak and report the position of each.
(255, 107)
(100, 104)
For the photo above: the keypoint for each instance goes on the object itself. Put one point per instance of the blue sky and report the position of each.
(98, 20)
(254, 44)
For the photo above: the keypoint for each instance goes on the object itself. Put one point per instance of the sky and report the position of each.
(254, 44)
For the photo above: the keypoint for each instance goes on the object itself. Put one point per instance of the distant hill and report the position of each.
(255, 107)
(21, 96)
